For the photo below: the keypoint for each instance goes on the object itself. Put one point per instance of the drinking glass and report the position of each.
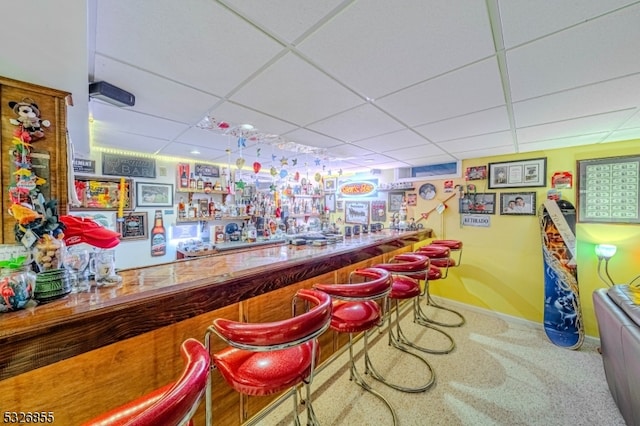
(75, 260)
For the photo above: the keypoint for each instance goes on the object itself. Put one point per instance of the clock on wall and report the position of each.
(428, 191)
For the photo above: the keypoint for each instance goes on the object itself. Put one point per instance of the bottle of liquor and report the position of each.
(184, 180)
(158, 236)
(192, 182)
(200, 183)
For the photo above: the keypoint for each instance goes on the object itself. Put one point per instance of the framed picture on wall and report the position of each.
(150, 194)
(395, 201)
(518, 203)
(518, 174)
(480, 203)
(356, 212)
(134, 226)
(609, 190)
(330, 202)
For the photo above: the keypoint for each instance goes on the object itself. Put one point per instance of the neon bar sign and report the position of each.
(357, 189)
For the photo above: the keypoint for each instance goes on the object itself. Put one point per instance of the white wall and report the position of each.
(45, 43)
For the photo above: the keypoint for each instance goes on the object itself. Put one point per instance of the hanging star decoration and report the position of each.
(242, 143)
(240, 184)
(272, 187)
(284, 161)
(273, 157)
(324, 166)
(294, 162)
(317, 160)
(258, 152)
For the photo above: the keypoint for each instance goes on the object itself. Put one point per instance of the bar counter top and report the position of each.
(155, 296)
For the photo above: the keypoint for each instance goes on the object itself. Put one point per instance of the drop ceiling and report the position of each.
(356, 85)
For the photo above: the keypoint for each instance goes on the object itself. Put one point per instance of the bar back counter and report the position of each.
(89, 352)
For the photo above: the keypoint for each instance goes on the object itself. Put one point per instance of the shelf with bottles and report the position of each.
(210, 219)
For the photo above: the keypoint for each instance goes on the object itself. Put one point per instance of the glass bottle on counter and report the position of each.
(252, 233)
(158, 236)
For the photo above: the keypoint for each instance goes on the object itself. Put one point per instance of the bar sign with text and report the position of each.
(84, 166)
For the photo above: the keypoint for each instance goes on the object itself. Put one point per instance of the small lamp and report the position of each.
(605, 252)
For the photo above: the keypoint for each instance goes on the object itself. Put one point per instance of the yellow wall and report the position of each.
(502, 265)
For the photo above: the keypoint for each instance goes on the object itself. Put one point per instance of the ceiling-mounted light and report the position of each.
(246, 127)
(195, 152)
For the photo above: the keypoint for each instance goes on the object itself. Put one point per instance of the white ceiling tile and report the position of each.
(408, 154)
(393, 141)
(293, 90)
(486, 141)
(525, 20)
(288, 19)
(106, 137)
(184, 150)
(129, 121)
(237, 114)
(562, 142)
(587, 100)
(598, 50)
(488, 121)
(577, 126)
(358, 123)
(487, 152)
(195, 42)
(430, 159)
(153, 93)
(624, 135)
(311, 139)
(633, 121)
(377, 47)
(473, 88)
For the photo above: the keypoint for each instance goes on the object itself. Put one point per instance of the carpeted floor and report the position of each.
(502, 372)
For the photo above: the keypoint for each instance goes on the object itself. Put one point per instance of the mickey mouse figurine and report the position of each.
(29, 118)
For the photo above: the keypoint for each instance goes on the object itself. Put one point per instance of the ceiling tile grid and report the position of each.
(368, 83)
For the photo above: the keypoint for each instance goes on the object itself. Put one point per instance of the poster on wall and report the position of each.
(356, 212)
(379, 211)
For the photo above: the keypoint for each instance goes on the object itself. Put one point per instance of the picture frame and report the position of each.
(356, 212)
(379, 211)
(330, 202)
(395, 201)
(608, 190)
(518, 174)
(134, 226)
(412, 199)
(480, 203)
(101, 193)
(518, 203)
(151, 194)
(330, 184)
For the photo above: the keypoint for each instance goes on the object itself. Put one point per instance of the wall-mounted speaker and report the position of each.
(112, 94)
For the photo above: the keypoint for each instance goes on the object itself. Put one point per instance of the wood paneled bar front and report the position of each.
(89, 352)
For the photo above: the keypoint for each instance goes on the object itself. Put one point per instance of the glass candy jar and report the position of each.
(48, 253)
(17, 282)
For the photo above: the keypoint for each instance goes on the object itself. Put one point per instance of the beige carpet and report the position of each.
(502, 372)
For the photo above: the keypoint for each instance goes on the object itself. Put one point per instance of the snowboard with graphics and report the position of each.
(562, 315)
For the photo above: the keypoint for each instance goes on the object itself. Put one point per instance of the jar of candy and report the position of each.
(48, 253)
(17, 282)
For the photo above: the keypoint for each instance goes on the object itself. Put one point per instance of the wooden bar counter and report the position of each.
(89, 352)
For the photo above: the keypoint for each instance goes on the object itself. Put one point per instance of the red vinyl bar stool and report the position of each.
(407, 270)
(173, 404)
(454, 245)
(440, 257)
(355, 311)
(266, 358)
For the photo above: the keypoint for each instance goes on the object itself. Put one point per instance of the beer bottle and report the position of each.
(158, 236)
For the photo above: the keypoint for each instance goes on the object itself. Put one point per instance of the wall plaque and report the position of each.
(125, 165)
(84, 166)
